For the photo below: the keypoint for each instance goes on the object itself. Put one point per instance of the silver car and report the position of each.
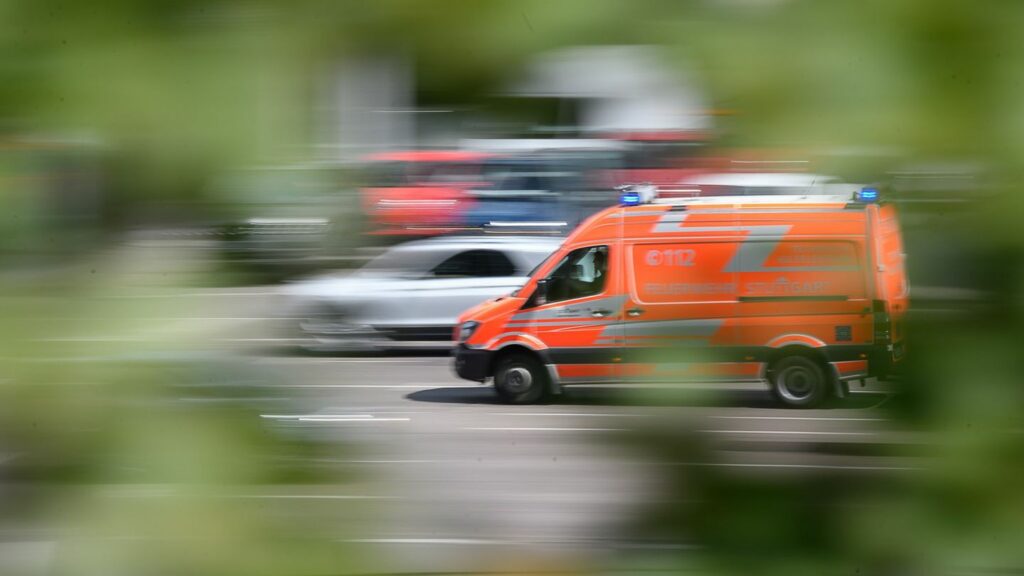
(411, 295)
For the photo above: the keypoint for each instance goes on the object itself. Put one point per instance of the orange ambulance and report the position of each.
(806, 293)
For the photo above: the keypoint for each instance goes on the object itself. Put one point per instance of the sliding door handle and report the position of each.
(634, 312)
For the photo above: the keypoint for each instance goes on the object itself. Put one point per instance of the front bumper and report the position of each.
(472, 364)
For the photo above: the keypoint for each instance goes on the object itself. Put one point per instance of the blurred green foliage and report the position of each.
(185, 90)
(177, 92)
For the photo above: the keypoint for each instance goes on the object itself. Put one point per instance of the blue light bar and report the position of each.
(636, 194)
(866, 195)
(630, 198)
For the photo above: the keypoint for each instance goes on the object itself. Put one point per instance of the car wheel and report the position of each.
(520, 379)
(799, 382)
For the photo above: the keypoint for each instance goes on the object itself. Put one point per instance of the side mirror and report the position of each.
(542, 287)
(540, 293)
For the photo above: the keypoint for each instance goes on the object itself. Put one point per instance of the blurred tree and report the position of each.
(180, 90)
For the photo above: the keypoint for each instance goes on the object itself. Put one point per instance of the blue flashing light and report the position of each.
(630, 198)
(867, 195)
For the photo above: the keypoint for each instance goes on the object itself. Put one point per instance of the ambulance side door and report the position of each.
(677, 314)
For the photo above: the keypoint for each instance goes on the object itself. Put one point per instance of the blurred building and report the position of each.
(618, 90)
(368, 104)
(365, 105)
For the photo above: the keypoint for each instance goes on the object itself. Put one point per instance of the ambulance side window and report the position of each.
(582, 272)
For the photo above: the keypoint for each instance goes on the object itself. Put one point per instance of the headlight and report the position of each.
(467, 329)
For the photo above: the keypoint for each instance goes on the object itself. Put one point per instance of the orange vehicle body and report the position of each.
(712, 289)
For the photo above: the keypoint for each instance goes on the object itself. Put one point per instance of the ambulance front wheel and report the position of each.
(799, 381)
(520, 379)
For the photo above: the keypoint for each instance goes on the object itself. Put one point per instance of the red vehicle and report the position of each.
(421, 192)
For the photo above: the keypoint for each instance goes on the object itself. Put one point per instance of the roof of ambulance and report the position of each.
(741, 202)
(801, 207)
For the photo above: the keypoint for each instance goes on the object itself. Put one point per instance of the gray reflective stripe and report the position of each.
(658, 341)
(689, 328)
(752, 255)
(755, 248)
(665, 223)
(583, 322)
(558, 312)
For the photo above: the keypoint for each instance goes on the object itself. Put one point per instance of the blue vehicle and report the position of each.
(551, 191)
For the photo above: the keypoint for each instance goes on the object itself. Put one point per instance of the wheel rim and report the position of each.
(518, 379)
(797, 383)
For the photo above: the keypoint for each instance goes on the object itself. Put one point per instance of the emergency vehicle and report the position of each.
(804, 292)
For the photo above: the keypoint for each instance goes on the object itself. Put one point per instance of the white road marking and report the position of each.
(303, 360)
(517, 429)
(810, 418)
(352, 420)
(805, 466)
(500, 224)
(473, 541)
(260, 339)
(381, 386)
(559, 414)
(687, 386)
(360, 418)
(313, 497)
(451, 384)
(811, 432)
(301, 416)
(392, 461)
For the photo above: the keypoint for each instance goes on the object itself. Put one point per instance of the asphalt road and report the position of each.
(451, 476)
(438, 475)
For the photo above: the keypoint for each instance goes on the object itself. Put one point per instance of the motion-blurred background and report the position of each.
(177, 176)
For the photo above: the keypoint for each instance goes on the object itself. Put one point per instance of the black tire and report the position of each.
(799, 381)
(520, 379)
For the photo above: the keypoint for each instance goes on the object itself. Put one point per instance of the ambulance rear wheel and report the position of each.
(799, 381)
(520, 379)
